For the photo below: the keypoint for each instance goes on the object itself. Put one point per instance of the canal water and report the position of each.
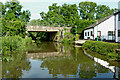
(53, 60)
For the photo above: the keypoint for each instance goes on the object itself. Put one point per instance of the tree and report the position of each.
(13, 11)
(87, 10)
(92, 11)
(13, 19)
(65, 15)
(2, 9)
(103, 11)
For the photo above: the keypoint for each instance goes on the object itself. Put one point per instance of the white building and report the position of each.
(106, 29)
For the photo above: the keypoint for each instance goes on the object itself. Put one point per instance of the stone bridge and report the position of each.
(54, 32)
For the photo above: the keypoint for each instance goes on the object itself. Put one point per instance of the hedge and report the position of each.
(103, 48)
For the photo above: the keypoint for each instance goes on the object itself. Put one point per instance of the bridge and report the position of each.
(55, 33)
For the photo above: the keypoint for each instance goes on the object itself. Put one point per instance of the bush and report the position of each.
(65, 40)
(27, 40)
(68, 38)
(103, 48)
(12, 43)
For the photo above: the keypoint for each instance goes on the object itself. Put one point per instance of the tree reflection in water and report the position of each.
(76, 63)
(14, 69)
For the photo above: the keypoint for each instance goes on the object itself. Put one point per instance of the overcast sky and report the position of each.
(37, 6)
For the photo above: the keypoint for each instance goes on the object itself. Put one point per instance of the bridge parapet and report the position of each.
(46, 28)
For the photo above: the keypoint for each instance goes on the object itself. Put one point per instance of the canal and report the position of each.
(55, 60)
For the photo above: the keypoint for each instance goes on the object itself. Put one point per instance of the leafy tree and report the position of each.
(65, 15)
(2, 9)
(103, 11)
(13, 19)
(92, 11)
(13, 11)
(87, 10)
(36, 22)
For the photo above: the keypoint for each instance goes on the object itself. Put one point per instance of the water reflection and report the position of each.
(48, 60)
(14, 69)
(76, 65)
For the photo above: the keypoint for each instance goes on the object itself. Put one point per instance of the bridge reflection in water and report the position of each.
(52, 52)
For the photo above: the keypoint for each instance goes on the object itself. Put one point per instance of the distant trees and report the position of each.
(13, 19)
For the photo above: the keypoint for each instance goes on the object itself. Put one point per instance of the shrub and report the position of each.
(103, 48)
(68, 38)
(12, 43)
(27, 40)
(65, 40)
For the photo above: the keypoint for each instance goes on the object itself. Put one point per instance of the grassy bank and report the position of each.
(103, 48)
(11, 44)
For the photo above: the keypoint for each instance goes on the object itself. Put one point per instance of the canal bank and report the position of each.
(110, 50)
(114, 69)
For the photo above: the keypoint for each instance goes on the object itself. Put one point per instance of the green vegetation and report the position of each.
(13, 21)
(11, 44)
(68, 38)
(38, 36)
(13, 18)
(103, 48)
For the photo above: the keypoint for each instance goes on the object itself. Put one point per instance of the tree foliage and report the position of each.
(87, 10)
(65, 15)
(13, 18)
(92, 11)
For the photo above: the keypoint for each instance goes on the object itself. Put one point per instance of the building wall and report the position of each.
(86, 31)
(104, 27)
(118, 22)
(116, 32)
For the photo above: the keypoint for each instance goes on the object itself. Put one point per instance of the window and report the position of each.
(118, 33)
(91, 33)
(111, 33)
(85, 33)
(99, 33)
(119, 17)
(88, 33)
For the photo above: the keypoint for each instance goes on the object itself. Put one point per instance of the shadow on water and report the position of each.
(54, 60)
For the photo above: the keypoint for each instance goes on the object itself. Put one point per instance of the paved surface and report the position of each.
(80, 41)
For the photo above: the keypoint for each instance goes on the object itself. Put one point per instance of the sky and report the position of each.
(37, 6)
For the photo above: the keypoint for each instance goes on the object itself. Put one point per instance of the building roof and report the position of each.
(100, 21)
